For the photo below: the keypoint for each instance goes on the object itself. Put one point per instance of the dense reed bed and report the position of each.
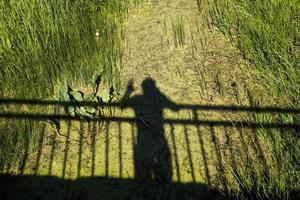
(268, 36)
(45, 44)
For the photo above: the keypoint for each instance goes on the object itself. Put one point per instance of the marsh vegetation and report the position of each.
(74, 106)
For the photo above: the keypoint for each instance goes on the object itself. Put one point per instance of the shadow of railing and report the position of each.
(192, 142)
(193, 108)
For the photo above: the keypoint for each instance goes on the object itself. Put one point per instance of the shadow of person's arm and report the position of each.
(124, 102)
(172, 105)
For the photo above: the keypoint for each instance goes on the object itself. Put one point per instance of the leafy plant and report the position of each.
(76, 97)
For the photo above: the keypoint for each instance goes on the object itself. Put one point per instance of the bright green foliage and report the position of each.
(44, 43)
(268, 34)
(68, 95)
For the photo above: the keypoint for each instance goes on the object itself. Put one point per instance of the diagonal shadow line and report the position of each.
(248, 162)
(274, 138)
(215, 123)
(40, 149)
(66, 149)
(207, 175)
(175, 152)
(283, 110)
(189, 153)
(107, 150)
(81, 132)
(219, 165)
(243, 142)
(245, 148)
(133, 139)
(52, 153)
(28, 131)
(261, 155)
(53, 148)
(94, 131)
(120, 150)
(229, 146)
(5, 168)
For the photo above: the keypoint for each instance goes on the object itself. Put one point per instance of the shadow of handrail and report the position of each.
(37, 102)
(283, 110)
(239, 124)
(196, 121)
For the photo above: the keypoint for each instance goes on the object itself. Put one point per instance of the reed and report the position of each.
(47, 43)
(267, 34)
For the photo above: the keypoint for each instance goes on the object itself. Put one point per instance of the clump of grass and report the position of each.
(220, 84)
(267, 33)
(199, 5)
(178, 31)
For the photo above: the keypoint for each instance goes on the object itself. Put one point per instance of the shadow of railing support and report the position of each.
(93, 148)
(107, 150)
(200, 138)
(203, 152)
(175, 152)
(120, 150)
(66, 149)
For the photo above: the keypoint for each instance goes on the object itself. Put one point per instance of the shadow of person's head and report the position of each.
(149, 87)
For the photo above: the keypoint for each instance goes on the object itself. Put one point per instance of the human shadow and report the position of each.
(152, 157)
(151, 153)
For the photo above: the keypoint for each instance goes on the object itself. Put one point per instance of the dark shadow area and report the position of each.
(31, 187)
(153, 170)
(152, 157)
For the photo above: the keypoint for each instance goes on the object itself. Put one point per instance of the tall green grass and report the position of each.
(178, 31)
(267, 32)
(46, 43)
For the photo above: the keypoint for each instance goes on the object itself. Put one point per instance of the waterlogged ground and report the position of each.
(161, 131)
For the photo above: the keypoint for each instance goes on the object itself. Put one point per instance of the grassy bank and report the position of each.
(46, 44)
(268, 36)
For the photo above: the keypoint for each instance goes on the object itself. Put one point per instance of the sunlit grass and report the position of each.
(178, 31)
(46, 44)
(267, 33)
